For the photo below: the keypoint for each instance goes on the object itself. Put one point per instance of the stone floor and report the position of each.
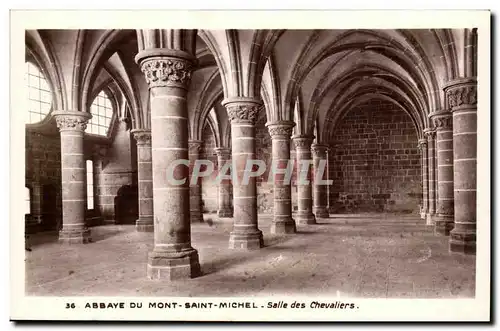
(368, 255)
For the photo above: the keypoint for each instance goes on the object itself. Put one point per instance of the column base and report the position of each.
(196, 216)
(463, 239)
(246, 240)
(225, 213)
(282, 225)
(74, 236)
(321, 212)
(429, 219)
(443, 224)
(304, 219)
(144, 225)
(173, 265)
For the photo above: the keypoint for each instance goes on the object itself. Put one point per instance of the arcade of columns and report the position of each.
(448, 170)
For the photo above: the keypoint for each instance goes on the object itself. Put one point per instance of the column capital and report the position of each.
(222, 151)
(319, 149)
(142, 136)
(442, 120)
(430, 133)
(166, 67)
(461, 93)
(303, 141)
(72, 120)
(242, 109)
(422, 143)
(281, 129)
(194, 146)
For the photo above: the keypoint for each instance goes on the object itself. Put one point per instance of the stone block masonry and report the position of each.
(43, 177)
(375, 163)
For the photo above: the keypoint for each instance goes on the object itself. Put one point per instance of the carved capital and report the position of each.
(72, 120)
(422, 144)
(442, 120)
(319, 150)
(223, 153)
(461, 93)
(282, 129)
(143, 137)
(167, 71)
(302, 141)
(195, 146)
(430, 134)
(242, 109)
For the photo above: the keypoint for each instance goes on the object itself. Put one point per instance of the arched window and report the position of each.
(102, 112)
(90, 185)
(27, 200)
(38, 94)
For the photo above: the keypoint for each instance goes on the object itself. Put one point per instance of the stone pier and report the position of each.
(72, 126)
(225, 189)
(168, 73)
(280, 133)
(304, 190)
(320, 196)
(195, 209)
(444, 137)
(462, 99)
(242, 113)
(144, 180)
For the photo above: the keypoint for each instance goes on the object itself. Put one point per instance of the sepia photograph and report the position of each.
(192, 171)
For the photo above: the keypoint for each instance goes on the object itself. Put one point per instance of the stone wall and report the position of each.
(43, 164)
(375, 161)
(116, 178)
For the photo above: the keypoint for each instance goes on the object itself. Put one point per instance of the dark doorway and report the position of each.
(126, 205)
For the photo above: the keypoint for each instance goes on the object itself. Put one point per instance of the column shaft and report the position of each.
(422, 144)
(431, 162)
(144, 180)
(283, 222)
(304, 190)
(168, 73)
(320, 196)
(444, 137)
(462, 98)
(72, 125)
(242, 114)
(225, 189)
(195, 208)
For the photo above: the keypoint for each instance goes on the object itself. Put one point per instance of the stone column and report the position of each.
(225, 186)
(195, 209)
(422, 145)
(36, 202)
(462, 99)
(304, 191)
(144, 180)
(72, 126)
(320, 196)
(242, 113)
(168, 73)
(444, 219)
(280, 133)
(431, 162)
